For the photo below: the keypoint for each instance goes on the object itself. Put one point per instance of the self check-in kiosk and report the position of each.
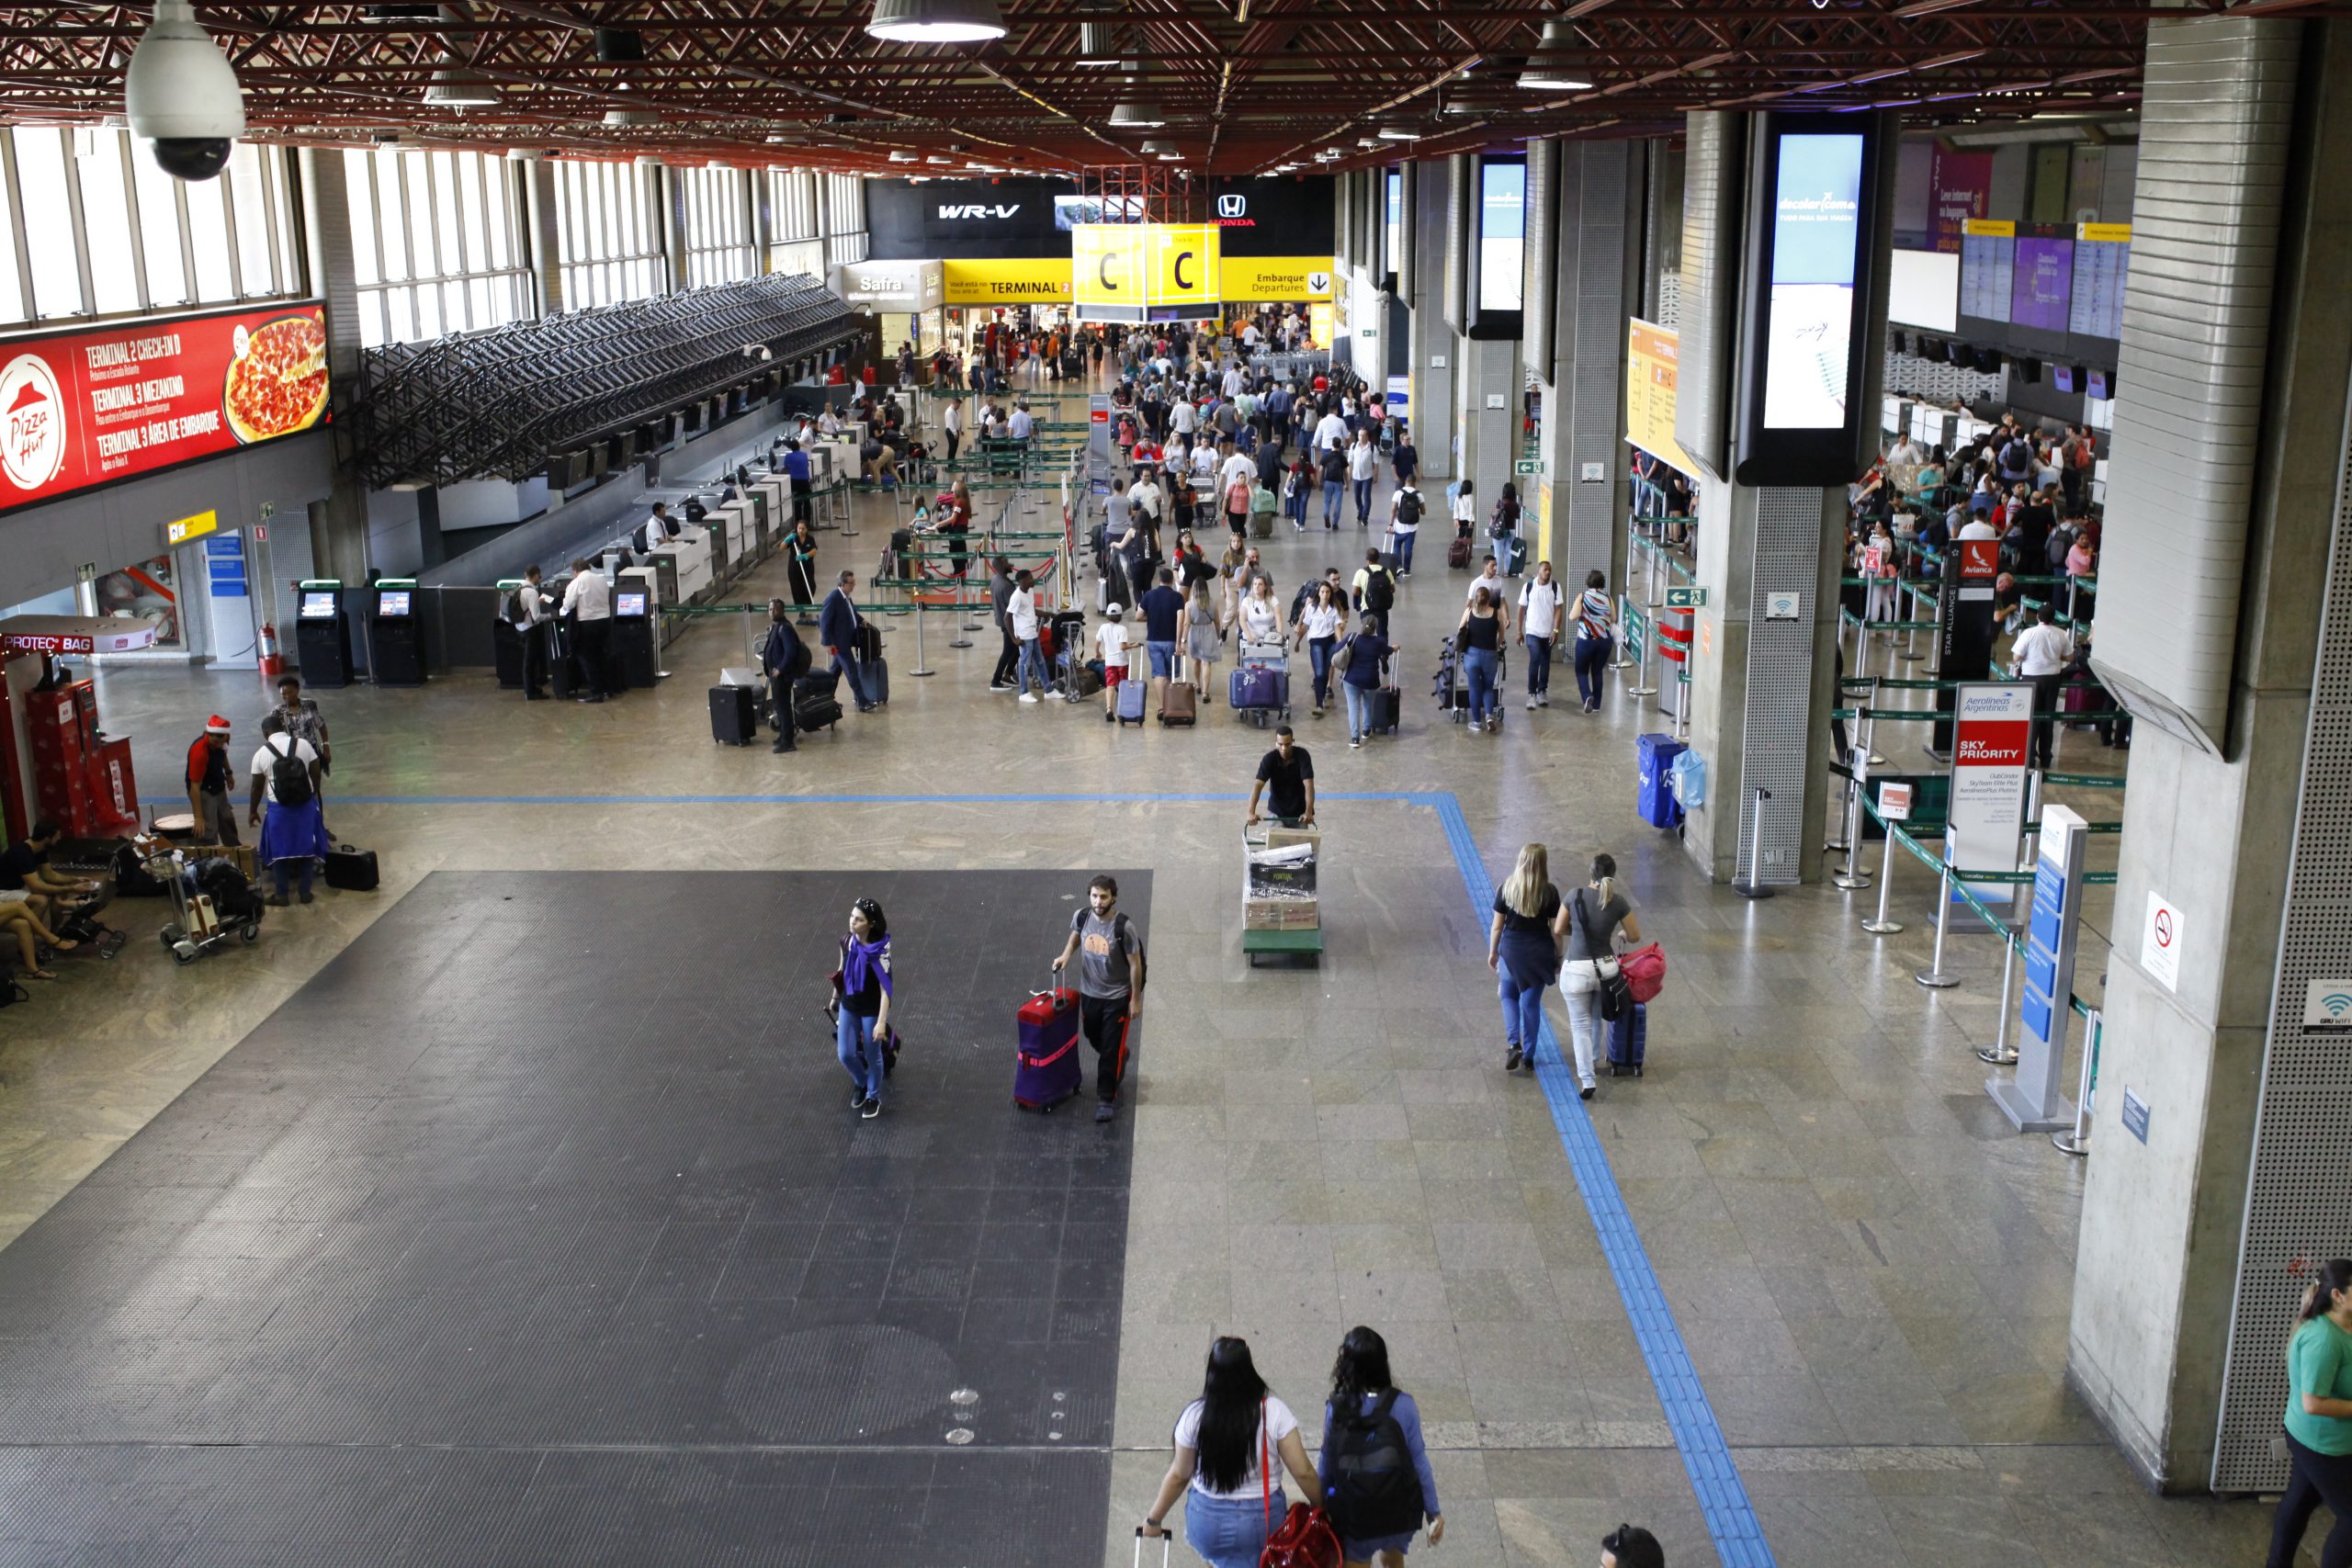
(395, 645)
(321, 633)
(637, 627)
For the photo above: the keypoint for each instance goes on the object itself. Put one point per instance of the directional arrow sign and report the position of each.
(1528, 466)
(1686, 598)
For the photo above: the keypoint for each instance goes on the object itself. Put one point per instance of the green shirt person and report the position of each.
(2319, 1419)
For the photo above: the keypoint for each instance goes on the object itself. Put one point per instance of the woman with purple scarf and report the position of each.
(862, 1025)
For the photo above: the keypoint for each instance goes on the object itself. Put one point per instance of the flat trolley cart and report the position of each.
(198, 924)
(1281, 913)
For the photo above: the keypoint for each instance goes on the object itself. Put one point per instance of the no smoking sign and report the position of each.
(2160, 943)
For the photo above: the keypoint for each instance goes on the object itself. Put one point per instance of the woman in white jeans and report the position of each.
(1597, 912)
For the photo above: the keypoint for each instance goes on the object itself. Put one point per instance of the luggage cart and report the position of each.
(196, 929)
(1453, 691)
(1274, 655)
(1275, 925)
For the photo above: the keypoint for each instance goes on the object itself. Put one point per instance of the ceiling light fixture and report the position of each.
(935, 21)
(1137, 113)
(1097, 44)
(1399, 133)
(900, 155)
(455, 87)
(622, 119)
(402, 15)
(1559, 63)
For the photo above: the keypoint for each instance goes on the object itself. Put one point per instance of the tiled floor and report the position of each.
(1870, 1274)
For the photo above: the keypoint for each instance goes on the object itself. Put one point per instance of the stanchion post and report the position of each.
(2003, 1054)
(1882, 925)
(1852, 876)
(2077, 1140)
(1933, 976)
(1754, 887)
(920, 667)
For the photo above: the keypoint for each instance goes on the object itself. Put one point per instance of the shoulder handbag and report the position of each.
(1616, 995)
(1304, 1538)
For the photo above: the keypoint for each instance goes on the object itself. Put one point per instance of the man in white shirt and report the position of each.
(1978, 528)
(951, 425)
(1145, 495)
(2039, 654)
(1233, 383)
(1251, 337)
(294, 837)
(1237, 466)
(1329, 431)
(1362, 460)
(1020, 426)
(1906, 452)
(588, 599)
(661, 526)
(1111, 640)
(1490, 579)
(530, 616)
(1022, 609)
(1539, 623)
(1184, 418)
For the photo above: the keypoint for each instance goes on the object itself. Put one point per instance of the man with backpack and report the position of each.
(1376, 589)
(1109, 951)
(1404, 521)
(285, 774)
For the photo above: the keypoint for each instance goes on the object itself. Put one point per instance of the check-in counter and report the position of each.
(691, 553)
(778, 491)
(737, 517)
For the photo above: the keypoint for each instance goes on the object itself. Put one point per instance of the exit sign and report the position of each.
(1686, 598)
(1528, 466)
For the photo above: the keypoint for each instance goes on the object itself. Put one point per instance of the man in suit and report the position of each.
(837, 625)
(785, 658)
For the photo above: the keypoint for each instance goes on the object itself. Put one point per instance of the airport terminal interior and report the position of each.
(856, 783)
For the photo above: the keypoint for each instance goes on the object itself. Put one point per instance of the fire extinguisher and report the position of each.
(272, 665)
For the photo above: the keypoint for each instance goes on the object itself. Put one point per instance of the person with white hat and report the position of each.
(210, 775)
(1111, 640)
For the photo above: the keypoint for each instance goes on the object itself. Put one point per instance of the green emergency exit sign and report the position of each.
(1686, 598)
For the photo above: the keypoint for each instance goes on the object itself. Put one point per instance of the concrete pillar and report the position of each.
(338, 525)
(2188, 1265)
(540, 213)
(1431, 340)
(1577, 499)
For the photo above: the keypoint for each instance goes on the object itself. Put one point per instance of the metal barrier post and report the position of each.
(1681, 701)
(1658, 593)
(1642, 686)
(1933, 976)
(1754, 887)
(2077, 1140)
(920, 668)
(1852, 876)
(1862, 645)
(2003, 1054)
(1882, 925)
(1910, 654)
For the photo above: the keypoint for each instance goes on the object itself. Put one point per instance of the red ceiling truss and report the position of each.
(1246, 84)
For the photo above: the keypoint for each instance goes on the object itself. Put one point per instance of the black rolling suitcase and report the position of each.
(814, 705)
(734, 715)
(353, 871)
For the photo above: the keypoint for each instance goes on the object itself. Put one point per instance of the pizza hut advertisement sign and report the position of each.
(88, 407)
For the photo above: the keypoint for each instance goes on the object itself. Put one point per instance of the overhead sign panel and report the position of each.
(1274, 277)
(90, 408)
(1183, 264)
(1652, 361)
(1107, 265)
(992, 282)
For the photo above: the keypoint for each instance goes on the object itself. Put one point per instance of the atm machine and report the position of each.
(395, 644)
(637, 627)
(507, 638)
(322, 633)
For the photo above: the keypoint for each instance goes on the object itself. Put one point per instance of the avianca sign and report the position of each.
(950, 212)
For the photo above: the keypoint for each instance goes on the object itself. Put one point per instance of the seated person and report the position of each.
(661, 525)
(24, 876)
(18, 925)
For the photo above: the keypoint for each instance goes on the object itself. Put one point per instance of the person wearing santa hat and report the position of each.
(211, 777)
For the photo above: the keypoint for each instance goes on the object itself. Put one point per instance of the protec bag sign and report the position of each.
(84, 409)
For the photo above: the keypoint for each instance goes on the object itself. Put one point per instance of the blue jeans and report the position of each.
(1230, 1532)
(1033, 663)
(1363, 501)
(279, 868)
(853, 1036)
(1405, 549)
(1331, 503)
(1539, 666)
(1478, 669)
(1163, 660)
(1522, 1011)
(1318, 655)
(1592, 658)
(1359, 710)
(1295, 507)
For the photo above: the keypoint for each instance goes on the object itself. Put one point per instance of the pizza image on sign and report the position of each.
(278, 383)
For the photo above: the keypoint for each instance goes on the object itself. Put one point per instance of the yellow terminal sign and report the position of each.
(194, 527)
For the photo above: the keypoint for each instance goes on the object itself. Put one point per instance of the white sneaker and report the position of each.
(1029, 697)
(1544, 699)
(1531, 705)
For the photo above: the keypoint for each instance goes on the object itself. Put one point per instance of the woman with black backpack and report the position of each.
(1377, 1485)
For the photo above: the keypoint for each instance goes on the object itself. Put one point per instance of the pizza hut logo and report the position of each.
(1233, 205)
(953, 211)
(35, 434)
(1318, 283)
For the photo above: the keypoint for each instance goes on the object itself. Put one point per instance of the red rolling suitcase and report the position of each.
(1049, 1068)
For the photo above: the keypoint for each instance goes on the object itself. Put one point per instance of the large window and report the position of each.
(610, 233)
(844, 219)
(791, 205)
(92, 228)
(436, 243)
(718, 224)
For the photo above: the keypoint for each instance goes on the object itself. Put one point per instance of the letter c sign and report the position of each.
(1103, 271)
(1177, 271)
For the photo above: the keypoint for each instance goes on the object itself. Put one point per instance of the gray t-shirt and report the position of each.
(1594, 939)
(1103, 945)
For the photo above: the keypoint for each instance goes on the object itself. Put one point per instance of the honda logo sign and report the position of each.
(975, 209)
(1235, 205)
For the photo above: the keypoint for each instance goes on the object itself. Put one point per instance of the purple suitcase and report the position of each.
(1259, 686)
(1049, 1069)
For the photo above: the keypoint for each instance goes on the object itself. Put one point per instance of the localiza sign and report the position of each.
(88, 407)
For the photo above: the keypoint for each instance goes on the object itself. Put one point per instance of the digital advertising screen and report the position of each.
(2042, 284)
(1392, 242)
(317, 606)
(90, 408)
(1502, 234)
(1817, 237)
(392, 603)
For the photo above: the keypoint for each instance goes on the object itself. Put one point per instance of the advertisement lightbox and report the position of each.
(93, 407)
(1811, 232)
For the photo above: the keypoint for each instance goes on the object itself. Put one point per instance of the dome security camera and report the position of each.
(181, 95)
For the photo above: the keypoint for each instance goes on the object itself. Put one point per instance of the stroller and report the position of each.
(1452, 688)
(212, 904)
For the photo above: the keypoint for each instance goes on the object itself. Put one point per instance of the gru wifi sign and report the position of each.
(948, 211)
